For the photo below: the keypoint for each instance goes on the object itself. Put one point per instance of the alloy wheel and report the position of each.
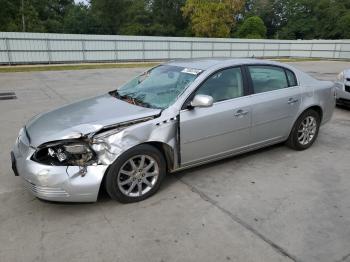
(138, 175)
(307, 130)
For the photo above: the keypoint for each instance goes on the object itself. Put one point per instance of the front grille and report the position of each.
(347, 88)
(42, 191)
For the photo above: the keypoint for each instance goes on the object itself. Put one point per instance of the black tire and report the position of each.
(112, 186)
(293, 141)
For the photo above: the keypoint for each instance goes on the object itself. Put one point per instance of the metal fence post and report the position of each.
(48, 48)
(264, 50)
(143, 50)
(116, 50)
(335, 49)
(191, 50)
(312, 48)
(212, 49)
(8, 51)
(168, 46)
(84, 49)
(341, 50)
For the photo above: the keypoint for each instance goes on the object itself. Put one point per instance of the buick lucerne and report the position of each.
(174, 116)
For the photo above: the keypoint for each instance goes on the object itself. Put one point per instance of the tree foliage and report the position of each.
(210, 18)
(253, 28)
(284, 19)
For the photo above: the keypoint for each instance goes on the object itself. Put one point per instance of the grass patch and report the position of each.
(285, 60)
(38, 68)
(13, 69)
(296, 59)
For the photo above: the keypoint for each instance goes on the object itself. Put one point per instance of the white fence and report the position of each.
(34, 48)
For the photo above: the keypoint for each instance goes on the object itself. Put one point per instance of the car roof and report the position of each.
(206, 63)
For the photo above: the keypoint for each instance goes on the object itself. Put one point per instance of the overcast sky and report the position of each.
(83, 1)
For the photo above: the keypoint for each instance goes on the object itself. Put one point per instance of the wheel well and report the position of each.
(167, 152)
(165, 149)
(318, 109)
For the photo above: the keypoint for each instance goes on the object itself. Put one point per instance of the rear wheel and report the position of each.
(305, 130)
(136, 175)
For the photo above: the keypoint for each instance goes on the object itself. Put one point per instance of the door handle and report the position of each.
(292, 101)
(241, 113)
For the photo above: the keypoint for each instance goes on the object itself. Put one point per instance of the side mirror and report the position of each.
(202, 101)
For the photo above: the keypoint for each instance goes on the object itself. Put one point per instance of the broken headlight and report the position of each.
(65, 153)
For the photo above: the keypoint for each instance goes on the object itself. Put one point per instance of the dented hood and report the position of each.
(84, 117)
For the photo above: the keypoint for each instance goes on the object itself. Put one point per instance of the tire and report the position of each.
(296, 140)
(123, 177)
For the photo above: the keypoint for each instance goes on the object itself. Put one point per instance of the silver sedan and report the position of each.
(175, 116)
(343, 88)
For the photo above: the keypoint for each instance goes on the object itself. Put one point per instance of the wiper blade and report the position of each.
(135, 101)
(129, 98)
(115, 94)
(142, 103)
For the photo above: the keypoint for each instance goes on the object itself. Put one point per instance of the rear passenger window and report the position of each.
(291, 78)
(267, 78)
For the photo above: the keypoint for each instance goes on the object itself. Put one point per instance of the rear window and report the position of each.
(267, 78)
(291, 78)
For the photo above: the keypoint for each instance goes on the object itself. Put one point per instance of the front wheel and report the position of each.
(136, 175)
(305, 130)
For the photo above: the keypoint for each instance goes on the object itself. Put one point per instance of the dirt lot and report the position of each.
(271, 205)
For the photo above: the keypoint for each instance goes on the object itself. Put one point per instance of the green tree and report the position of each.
(18, 15)
(212, 18)
(329, 15)
(109, 15)
(51, 13)
(253, 28)
(167, 19)
(270, 11)
(78, 20)
(311, 19)
(137, 19)
(8, 14)
(343, 26)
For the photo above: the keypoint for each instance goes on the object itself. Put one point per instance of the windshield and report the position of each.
(158, 87)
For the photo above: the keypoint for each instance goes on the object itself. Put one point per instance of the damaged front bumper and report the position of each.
(80, 180)
(56, 183)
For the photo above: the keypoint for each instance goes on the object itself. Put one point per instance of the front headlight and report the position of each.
(67, 153)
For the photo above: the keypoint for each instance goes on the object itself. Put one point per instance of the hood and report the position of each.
(347, 75)
(83, 117)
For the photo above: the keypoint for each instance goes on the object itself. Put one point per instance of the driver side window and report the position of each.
(223, 85)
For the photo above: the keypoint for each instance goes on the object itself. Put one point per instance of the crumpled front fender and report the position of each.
(108, 146)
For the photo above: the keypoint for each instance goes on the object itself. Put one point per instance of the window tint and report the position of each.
(267, 78)
(291, 78)
(223, 85)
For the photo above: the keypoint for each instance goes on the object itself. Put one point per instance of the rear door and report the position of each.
(207, 133)
(276, 100)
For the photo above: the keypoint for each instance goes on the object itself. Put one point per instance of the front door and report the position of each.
(213, 132)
